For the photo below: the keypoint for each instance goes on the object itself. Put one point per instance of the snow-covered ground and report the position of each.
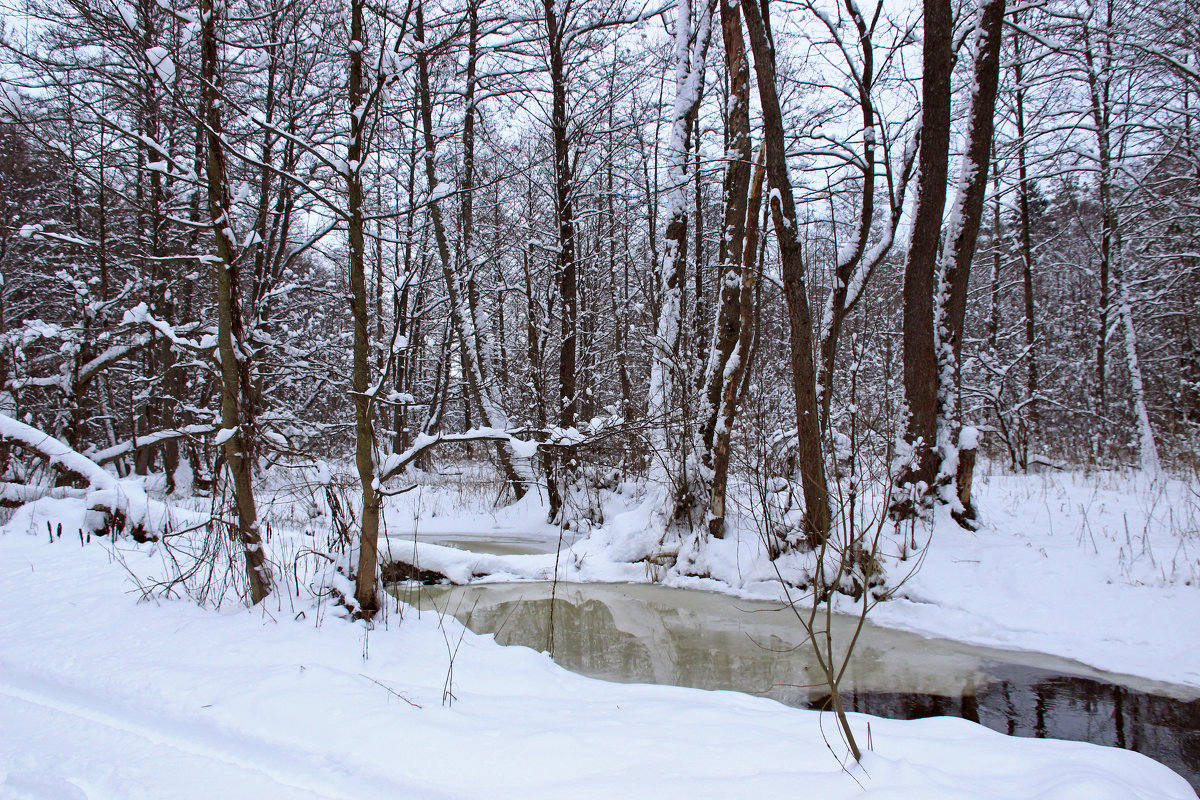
(1102, 569)
(105, 694)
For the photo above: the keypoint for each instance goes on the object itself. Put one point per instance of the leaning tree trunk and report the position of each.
(810, 460)
(737, 363)
(462, 317)
(849, 279)
(235, 367)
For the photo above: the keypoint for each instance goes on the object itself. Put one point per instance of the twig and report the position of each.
(390, 690)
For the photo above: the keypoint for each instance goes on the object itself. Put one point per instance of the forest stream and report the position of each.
(637, 633)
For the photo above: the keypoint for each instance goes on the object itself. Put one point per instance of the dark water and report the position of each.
(1026, 701)
(652, 634)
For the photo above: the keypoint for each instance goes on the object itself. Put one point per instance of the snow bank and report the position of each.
(115, 698)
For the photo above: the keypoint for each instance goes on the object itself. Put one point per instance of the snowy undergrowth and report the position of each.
(116, 694)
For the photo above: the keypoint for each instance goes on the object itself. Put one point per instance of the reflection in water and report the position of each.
(1026, 701)
(651, 634)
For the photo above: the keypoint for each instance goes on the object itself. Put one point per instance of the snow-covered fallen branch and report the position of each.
(113, 504)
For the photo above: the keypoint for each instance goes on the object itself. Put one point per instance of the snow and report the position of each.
(160, 59)
(120, 693)
(1105, 572)
(119, 698)
(127, 16)
(141, 315)
(523, 448)
(10, 100)
(968, 438)
(124, 498)
(58, 453)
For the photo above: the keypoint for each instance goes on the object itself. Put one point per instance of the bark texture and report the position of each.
(958, 249)
(235, 367)
(810, 460)
(920, 349)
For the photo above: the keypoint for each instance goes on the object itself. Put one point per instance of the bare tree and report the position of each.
(236, 423)
(671, 458)
(810, 461)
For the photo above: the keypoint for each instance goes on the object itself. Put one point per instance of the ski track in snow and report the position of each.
(85, 722)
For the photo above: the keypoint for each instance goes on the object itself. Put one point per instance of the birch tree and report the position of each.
(1111, 247)
(673, 458)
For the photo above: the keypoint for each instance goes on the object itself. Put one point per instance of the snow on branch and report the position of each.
(57, 454)
(110, 454)
(550, 437)
(395, 463)
(18, 494)
(140, 314)
(110, 356)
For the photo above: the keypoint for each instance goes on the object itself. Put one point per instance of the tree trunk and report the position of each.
(733, 329)
(1026, 232)
(810, 460)
(733, 233)
(1111, 263)
(567, 404)
(234, 366)
(846, 290)
(958, 249)
(993, 319)
(461, 315)
(737, 365)
(670, 458)
(920, 354)
(360, 376)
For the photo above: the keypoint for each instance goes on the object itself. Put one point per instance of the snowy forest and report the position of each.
(673, 278)
(242, 239)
